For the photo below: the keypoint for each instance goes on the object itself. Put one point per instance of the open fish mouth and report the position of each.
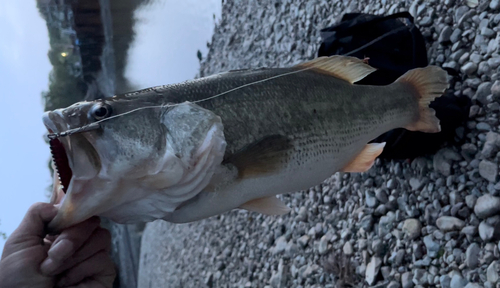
(61, 163)
(59, 149)
(75, 164)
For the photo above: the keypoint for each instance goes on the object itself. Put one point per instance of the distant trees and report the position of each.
(66, 85)
(64, 89)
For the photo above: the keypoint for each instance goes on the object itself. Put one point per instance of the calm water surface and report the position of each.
(169, 34)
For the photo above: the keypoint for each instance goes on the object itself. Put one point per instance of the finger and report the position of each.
(99, 269)
(99, 241)
(31, 231)
(67, 243)
(33, 223)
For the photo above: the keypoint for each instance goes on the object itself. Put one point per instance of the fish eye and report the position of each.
(100, 111)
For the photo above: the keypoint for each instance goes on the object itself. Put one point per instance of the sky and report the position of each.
(24, 72)
(169, 34)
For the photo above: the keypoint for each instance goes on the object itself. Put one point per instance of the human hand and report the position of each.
(77, 257)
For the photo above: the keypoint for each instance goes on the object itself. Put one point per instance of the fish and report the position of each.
(234, 140)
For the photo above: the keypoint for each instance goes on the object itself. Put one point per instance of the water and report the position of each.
(124, 45)
(161, 48)
(169, 34)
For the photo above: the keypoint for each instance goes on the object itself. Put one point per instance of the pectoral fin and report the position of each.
(261, 157)
(365, 160)
(266, 206)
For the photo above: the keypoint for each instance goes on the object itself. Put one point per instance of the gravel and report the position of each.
(412, 228)
(449, 223)
(486, 206)
(495, 89)
(483, 90)
(494, 4)
(445, 281)
(491, 145)
(323, 245)
(492, 273)
(372, 270)
(407, 280)
(488, 170)
(472, 255)
(428, 222)
(445, 35)
(469, 68)
(457, 281)
(489, 231)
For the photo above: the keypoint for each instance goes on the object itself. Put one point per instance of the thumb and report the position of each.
(32, 229)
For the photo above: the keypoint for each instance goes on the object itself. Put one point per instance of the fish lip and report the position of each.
(50, 124)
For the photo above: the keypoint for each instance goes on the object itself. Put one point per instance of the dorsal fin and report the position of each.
(350, 69)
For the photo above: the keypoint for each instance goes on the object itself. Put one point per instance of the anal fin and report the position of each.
(267, 206)
(365, 160)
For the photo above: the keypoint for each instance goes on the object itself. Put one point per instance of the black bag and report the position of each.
(394, 45)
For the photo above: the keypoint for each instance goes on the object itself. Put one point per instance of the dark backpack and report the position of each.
(395, 45)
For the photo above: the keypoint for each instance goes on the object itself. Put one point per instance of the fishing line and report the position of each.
(96, 125)
(375, 40)
(252, 83)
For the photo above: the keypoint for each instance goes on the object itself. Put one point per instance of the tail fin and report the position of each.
(429, 82)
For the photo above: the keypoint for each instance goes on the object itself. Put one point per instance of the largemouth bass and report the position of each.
(192, 150)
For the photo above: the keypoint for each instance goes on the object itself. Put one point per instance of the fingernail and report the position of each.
(48, 267)
(61, 251)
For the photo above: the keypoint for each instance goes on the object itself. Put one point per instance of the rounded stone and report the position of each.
(412, 228)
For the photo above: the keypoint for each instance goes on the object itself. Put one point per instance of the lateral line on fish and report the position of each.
(252, 83)
(95, 125)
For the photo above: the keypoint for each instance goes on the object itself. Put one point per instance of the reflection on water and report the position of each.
(169, 35)
(103, 47)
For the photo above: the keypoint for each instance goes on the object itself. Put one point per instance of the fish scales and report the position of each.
(311, 108)
(262, 103)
